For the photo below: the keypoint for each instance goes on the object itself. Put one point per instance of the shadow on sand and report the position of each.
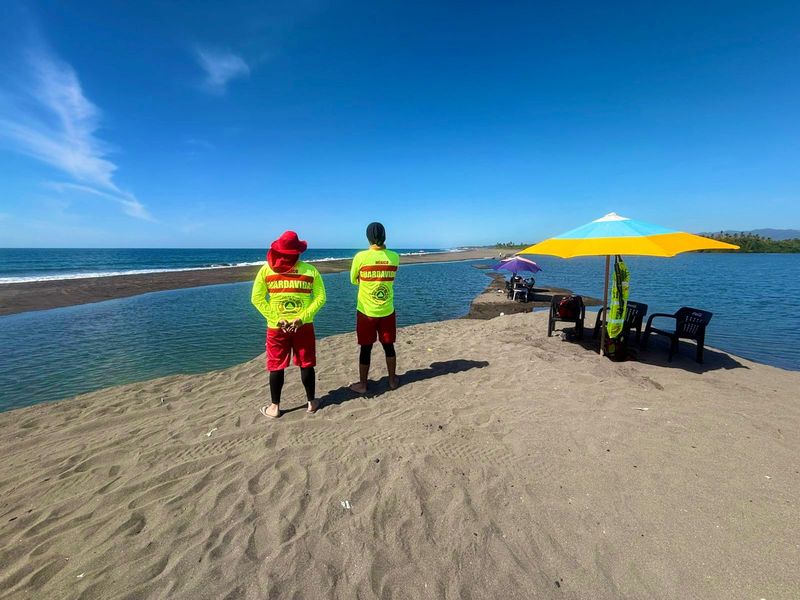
(381, 386)
(657, 353)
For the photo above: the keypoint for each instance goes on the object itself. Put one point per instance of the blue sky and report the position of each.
(220, 124)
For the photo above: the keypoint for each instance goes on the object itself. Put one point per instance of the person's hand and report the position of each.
(284, 325)
(295, 325)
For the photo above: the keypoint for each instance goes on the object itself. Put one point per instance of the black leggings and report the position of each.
(366, 353)
(276, 379)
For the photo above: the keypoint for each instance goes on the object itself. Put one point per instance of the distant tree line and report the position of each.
(754, 243)
(512, 245)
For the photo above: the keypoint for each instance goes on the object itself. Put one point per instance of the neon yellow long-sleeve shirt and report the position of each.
(298, 294)
(373, 271)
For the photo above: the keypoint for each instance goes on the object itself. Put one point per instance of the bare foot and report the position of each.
(273, 411)
(360, 387)
(312, 407)
(394, 382)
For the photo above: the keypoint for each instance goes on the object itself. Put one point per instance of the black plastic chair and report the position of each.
(556, 317)
(633, 320)
(690, 324)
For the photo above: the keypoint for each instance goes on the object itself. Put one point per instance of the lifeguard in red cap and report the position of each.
(289, 293)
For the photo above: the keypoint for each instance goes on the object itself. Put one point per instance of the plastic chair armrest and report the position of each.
(654, 315)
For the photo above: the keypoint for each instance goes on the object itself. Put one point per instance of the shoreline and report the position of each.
(44, 295)
(492, 301)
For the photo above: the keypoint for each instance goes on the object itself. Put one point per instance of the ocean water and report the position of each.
(37, 264)
(54, 354)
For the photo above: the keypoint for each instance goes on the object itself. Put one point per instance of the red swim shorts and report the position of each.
(368, 329)
(301, 343)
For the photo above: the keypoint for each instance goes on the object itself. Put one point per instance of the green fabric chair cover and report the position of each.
(619, 298)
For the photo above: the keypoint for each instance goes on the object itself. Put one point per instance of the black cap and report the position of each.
(376, 234)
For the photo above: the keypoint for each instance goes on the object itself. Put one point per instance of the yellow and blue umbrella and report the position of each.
(612, 234)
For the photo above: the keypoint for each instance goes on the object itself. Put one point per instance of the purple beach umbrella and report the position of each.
(517, 264)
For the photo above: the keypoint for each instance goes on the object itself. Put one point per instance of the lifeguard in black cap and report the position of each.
(374, 271)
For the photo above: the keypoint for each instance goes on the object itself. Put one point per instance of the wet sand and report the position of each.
(508, 465)
(42, 295)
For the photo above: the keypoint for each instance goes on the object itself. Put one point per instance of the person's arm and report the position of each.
(318, 299)
(259, 298)
(355, 269)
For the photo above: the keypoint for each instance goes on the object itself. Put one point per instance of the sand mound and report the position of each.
(508, 465)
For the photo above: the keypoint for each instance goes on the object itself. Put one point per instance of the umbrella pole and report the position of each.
(604, 308)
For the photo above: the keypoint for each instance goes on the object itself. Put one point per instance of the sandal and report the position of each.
(263, 411)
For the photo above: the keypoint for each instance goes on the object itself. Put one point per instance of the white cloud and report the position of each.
(48, 117)
(221, 67)
(130, 205)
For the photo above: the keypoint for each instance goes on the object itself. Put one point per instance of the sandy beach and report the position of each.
(42, 295)
(508, 465)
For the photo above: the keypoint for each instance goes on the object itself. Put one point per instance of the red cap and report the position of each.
(289, 243)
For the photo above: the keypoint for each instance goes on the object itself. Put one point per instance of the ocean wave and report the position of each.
(422, 252)
(411, 253)
(123, 272)
(328, 259)
(96, 274)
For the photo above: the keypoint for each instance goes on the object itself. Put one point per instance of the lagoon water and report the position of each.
(54, 354)
(59, 353)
